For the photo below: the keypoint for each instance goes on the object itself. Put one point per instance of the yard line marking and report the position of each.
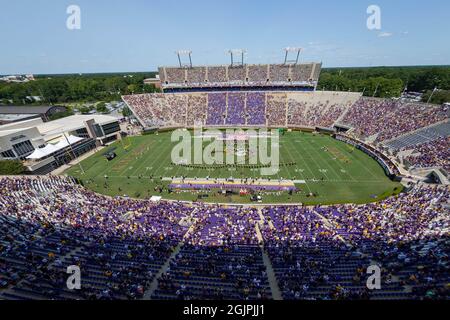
(315, 158)
(302, 158)
(330, 166)
(305, 162)
(360, 164)
(162, 154)
(157, 158)
(291, 158)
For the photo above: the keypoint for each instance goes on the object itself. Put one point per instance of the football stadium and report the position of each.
(335, 205)
(239, 181)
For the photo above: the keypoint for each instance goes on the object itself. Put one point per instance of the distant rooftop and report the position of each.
(56, 127)
(72, 123)
(25, 109)
(16, 117)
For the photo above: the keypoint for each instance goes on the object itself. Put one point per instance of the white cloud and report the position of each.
(319, 47)
(385, 34)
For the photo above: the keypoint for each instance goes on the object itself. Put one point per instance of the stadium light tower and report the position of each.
(432, 93)
(292, 50)
(234, 54)
(186, 53)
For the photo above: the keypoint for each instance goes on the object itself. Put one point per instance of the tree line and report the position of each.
(385, 82)
(389, 82)
(75, 88)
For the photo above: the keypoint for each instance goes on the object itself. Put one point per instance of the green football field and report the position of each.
(333, 172)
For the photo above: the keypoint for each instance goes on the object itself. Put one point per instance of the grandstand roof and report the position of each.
(56, 127)
(10, 117)
(72, 123)
(8, 132)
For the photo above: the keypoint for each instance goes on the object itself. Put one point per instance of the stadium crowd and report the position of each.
(240, 108)
(217, 74)
(196, 110)
(196, 75)
(217, 103)
(322, 109)
(254, 75)
(236, 109)
(279, 73)
(257, 74)
(302, 72)
(431, 154)
(391, 118)
(121, 245)
(276, 109)
(256, 108)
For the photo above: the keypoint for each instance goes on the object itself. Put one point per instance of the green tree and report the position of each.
(11, 167)
(60, 115)
(101, 107)
(439, 96)
(126, 112)
(85, 110)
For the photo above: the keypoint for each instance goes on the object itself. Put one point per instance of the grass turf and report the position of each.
(334, 171)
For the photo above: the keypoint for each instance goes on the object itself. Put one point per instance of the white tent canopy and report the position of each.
(155, 199)
(50, 148)
(37, 154)
(72, 140)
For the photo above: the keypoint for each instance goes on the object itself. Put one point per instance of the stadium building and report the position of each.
(271, 77)
(10, 114)
(44, 146)
(135, 245)
(286, 96)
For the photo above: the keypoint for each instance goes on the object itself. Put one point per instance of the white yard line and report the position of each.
(342, 168)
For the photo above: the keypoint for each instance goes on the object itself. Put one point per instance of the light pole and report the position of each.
(73, 153)
(376, 89)
(431, 95)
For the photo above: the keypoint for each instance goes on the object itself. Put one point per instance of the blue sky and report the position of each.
(139, 35)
